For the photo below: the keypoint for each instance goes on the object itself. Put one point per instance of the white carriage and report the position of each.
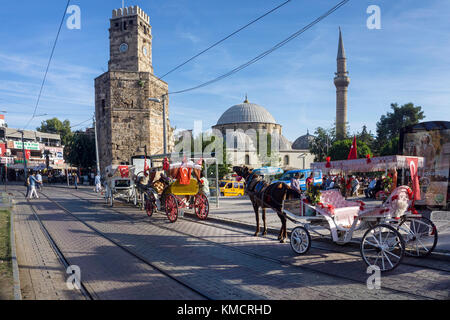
(120, 183)
(393, 228)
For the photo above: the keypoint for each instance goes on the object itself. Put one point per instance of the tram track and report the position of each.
(90, 293)
(313, 244)
(257, 255)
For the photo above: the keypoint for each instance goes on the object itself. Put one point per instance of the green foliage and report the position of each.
(321, 143)
(55, 125)
(82, 150)
(340, 149)
(366, 137)
(390, 124)
(390, 147)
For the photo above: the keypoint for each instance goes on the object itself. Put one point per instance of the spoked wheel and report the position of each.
(300, 240)
(172, 208)
(382, 246)
(201, 206)
(420, 236)
(149, 202)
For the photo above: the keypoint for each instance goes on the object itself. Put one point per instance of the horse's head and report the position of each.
(243, 172)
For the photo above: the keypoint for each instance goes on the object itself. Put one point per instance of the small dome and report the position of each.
(246, 112)
(303, 142)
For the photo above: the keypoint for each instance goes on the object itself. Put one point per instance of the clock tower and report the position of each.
(126, 120)
(130, 36)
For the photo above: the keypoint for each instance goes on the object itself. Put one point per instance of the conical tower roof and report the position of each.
(341, 50)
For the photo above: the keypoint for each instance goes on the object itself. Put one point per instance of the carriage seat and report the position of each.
(342, 211)
(396, 205)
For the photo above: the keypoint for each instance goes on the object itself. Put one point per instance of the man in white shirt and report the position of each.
(39, 180)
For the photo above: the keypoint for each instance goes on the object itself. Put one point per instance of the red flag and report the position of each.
(353, 151)
(413, 168)
(124, 171)
(27, 154)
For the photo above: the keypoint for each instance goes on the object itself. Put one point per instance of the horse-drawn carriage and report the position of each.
(393, 228)
(120, 183)
(175, 190)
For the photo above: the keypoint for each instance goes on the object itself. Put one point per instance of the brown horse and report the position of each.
(264, 195)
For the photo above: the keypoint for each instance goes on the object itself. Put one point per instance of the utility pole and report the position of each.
(24, 157)
(164, 124)
(96, 145)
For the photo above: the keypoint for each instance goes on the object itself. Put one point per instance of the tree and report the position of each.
(366, 137)
(82, 150)
(390, 147)
(340, 149)
(323, 139)
(390, 124)
(55, 125)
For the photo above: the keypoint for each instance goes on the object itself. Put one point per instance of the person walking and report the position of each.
(98, 183)
(39, 180)
(33, 183)
(75, 179)
(27, 183)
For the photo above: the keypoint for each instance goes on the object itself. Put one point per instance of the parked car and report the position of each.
(304, 174)
(231, 188)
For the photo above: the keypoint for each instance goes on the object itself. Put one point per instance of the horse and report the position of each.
(265, 195)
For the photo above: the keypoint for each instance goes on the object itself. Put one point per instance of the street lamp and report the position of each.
(164, 118)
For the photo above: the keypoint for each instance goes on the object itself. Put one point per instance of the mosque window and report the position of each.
(286, 160)
(247, 159)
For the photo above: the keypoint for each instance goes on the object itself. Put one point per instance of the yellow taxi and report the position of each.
(229, 188)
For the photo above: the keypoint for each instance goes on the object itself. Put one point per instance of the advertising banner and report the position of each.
(28, 145)
(434, 146)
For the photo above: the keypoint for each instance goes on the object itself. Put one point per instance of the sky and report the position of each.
(406, 60)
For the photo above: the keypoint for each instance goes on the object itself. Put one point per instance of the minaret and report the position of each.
(341, 81)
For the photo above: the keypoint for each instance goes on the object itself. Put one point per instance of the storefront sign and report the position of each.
(28, 145)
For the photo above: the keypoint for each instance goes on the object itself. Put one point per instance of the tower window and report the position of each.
(131, 22)
(247, 159)
(286, 160)
(117, 25)
(103, 106)
(124, 25)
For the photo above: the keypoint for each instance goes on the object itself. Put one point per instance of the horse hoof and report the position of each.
(264, 233)
(282, 240)
(256, 234)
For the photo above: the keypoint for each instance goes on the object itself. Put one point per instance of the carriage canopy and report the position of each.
(366, 164)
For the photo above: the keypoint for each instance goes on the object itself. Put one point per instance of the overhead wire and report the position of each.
(48, 65)
(267, 52)
(223, 39)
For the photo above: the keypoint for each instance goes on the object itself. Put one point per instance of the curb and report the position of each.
(439, 254)
(15, 265)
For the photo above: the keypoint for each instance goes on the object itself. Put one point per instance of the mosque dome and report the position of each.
(303, 142)
(246, 112)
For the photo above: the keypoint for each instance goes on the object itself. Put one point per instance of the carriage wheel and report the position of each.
(171, 208)
(382, 246)
(420, 236)
(149, 202)
(201, 206)
(300, 240)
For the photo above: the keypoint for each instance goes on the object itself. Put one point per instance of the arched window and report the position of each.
(247, 159)
(286, 160)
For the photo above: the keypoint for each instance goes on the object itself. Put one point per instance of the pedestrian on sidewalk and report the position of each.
(27, 183)
(98, 183)
(33, 183)
(76, 180)
(39, 179)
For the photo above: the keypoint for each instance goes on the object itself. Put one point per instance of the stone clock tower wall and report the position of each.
(126, 120)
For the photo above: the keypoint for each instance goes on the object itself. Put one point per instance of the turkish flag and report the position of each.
(353, 151)
(124, 171)
(27, 154)
(413, 168)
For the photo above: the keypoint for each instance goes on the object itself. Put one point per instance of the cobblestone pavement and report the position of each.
(107, 271)
(227, 263)
(42, 275)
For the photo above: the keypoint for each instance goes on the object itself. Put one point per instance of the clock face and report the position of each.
(145, 51)
(123, 47)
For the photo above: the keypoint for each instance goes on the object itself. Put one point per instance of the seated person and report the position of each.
(369, 190)
(295, 183)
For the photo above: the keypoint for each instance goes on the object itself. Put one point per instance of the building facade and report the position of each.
(243, 125)
(126, 119)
